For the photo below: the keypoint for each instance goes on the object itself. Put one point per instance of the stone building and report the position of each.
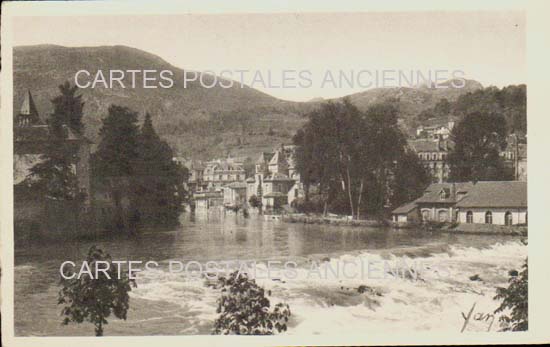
(433, 154)
(31, 137)
(275, 182)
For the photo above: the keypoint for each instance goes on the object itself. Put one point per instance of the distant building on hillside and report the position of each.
(433, 154)
(435, 129)
(515, 156)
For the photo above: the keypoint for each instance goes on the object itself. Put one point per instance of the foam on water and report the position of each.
(434, 301)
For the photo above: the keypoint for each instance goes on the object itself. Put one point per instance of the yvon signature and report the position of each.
(489, 318)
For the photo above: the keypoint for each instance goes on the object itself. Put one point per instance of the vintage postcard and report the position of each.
(259, 174)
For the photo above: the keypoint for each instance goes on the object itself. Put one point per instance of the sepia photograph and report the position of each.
(288, 174)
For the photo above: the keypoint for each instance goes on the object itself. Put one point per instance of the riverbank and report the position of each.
(332, 220)
(513, 230)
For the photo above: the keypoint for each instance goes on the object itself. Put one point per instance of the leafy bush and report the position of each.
(244, 308)
(255, 202)
(515, 299)
(94, 299)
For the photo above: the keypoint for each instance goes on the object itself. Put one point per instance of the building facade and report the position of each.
(433, 154)
(500, 203)
(492, 202)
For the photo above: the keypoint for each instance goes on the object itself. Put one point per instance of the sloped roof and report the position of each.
(278, 158)
(406, 208)
(430, 145)
(496, 194)
(265, 157)
(275, 195)
(236, 185)
(28, 108)
(432, 194)
(278, 177)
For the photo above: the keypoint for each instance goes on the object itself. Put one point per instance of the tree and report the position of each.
(54, 175)
(159, 190)
(478, 139)
(255, 202)
(354, 157)
(93, 297)
(69, 107)
(115, 158)
(515, 298)
(243, 308)
(118, 148)
(410, 179)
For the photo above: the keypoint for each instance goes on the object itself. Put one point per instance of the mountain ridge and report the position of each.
(197, 122)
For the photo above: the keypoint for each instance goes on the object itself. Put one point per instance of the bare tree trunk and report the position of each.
(349, 193)
(360, 197)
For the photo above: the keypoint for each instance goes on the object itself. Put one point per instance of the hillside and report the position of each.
(42, 68)
(197, 122)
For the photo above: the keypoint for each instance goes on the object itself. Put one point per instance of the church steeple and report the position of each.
(28, 115)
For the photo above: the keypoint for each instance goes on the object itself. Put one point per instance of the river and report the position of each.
(167, 303)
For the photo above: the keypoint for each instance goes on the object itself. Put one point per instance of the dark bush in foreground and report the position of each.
(515, 299)
(94, 299)
(245, 310)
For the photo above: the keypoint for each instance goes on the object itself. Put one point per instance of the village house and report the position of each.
(515, 156)
(407, 213)
(439, 200)
(207, 199)
(220, 172)
(276, 182)
(433, 154)
(435, 129)
(234, 194)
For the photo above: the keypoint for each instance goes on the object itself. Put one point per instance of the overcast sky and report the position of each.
(488, 46)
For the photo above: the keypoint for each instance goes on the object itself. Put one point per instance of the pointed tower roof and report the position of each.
(28, 108)
(278, 158)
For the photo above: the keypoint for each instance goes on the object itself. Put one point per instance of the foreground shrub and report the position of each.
(515, 299)
(94, 299)
(245, 310)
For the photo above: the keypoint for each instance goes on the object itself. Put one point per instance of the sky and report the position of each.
(487, 46)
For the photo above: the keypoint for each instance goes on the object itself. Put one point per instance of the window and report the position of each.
(425, 215)
(469, 217)
(508, 218)
(488, 217)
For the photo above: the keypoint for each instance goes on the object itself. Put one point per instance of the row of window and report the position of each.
(432, 156)
(489, 217)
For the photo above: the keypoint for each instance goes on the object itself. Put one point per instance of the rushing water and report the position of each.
(174, 303)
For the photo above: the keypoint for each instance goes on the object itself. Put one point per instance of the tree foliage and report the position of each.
(355, 157)
(69, 107)
(138, 166)
(54, 176)
(118, 148)
(515, 301)
(479, 139)
(244, 309)
(94, 299)
(159, 190)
